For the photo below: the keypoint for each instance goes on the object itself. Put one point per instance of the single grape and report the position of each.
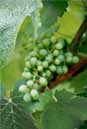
(43, 81)
(49, 58)
(59, 70)
(57, 61)
(43, 52)
(61, 58)
(56, 52)
(27, 97)
(26, 75)
(53, 39)
(40, 68)
(46, 43)
(75, 59)
(23, 89)
(45, 64)
(25, 69)
(60, 44)
(37, 86)
(52, 68)
(33, 61)
(48, 73)
(30, 83)
(69, 59)
(27, 64)
(34, 94)
(68, 54)
(65, 69)
(33, 53)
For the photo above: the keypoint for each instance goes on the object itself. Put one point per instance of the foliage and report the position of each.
(66, 113)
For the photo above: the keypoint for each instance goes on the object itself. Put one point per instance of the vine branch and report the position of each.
(74, 69)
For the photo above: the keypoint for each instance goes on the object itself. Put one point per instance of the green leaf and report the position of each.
(66, 113)
(51, 11)
(2, 90)
(12, 14)
(13, 115)
(79, 82)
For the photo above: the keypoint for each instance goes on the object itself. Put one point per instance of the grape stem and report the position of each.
(77, 67)
(73, 71)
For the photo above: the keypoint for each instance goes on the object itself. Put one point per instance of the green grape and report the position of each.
(65, 69)
(27, 64)
(49, 58)
(34, 94)
(69, 59)
(48, 73)
(30, 83)
(33, 53)
(75, 59)
(68, 54)
(57, 61)
(23, 88)
(56, 53)
(43, 52)
(39, 62)
(53, 39)
(44, 74)
(25, 69)
(26, 75)
(59, 70)
(27, 97)
(46, 43)
(43, 81)
(52, 68)
(45, 64)
(61, 57)
(60, 44)
(37, 86)
(33, 61)
(40, 68)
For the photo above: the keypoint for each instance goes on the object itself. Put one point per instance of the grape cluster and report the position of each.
(47, 58)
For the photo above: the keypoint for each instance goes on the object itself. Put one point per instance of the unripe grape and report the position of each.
(39, 62)
(46, 43)
(23, 89)
(43, 81)
(48, 73)
(33, 53)
(59, 70)
(53, 39)
(34, 94)
(33, 61)
(27, 97)
(68, 54)
(65, 69)
(60, 44)
(49, 58)
(36, 86)
(56, 53)
(45, 64)
(40, 68)
(44, 74)
(30, 83)
(69, 59)
(57, 61)
(52, 68)
(61, 57)
(43, 52)
(25, 69)
(75, 59)
(27, 75)
(27, 64)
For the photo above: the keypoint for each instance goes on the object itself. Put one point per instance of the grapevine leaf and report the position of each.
(79, 82)
(66, 113)
(13, 115)
(50, 7)
(2, 90)
(12, 14)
